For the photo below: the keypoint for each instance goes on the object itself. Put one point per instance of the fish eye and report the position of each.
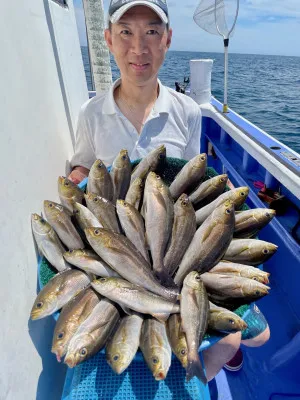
(124, 157)
(161, 156)
(198, 278)
(50, 205)
(203, 158)
(116, 357)
(71, 251)
(83, 351)
(100, 165)
(76, 211)
(265, 251)
(96, 232)
(257, 292)
(95, 199)
(155, 360)
(66, 183)
(228, 211)
(254, 278)
(183, 352)
(60, 335)
(157, 177)
(267, 214)
(222, 179)
(231, 321)
(102, 279)
(39, 304)
(43, 221)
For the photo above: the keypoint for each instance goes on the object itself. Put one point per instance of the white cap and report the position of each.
(118, 8)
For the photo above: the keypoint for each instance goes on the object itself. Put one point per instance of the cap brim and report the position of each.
(122, 10)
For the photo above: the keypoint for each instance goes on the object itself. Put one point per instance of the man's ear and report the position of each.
(108, 39)
(169, 40)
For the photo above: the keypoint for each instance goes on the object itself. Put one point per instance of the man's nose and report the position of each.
(139, 45)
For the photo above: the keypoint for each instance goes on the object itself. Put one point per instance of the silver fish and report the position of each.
(48, 242)
(209, 243)
(133, 226)
(70, 318)
(93, 333)
(149, 163)
(245, 271)
(90, 262)
(104, 211)
(122, 347)
(194, 310)
(69, 193)
(135, 297)
(231, 286)
(183, 231)
(84, 216)
(117, 251)
(249, 251)
(60, 219)
(238, 196)
(222, 320)
(190, 175)
(156, 348)
(135, 193)
(159, 214)
(121, 175)
(177, 339)
(209, 190)
(249, 223)
(99, 181)
(58, 291)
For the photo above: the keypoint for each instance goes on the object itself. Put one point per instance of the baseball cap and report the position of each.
(118, 7)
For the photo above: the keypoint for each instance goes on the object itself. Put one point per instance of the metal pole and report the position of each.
(225, 105)
(99, 53)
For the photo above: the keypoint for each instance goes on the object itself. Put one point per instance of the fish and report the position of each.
(71, 317)
(58, 291)
(194, 311)
(104, 211)
(222, 320)
(209, 242)
(155, 347)
(134, 297)
(135, 193)
(209, 190)
(48, 242)
(249, 251)
(159, 215)
(189, 176)
(69, 193)
(183, 231)
(93, 333)
(118, 252)
(84, 216)
(231, 286)
(60, 219)
(89, 262)
(249, 223)
(99, 181)
(123, 345)
(133, 225)
(151, 162)
(177, 339)
(246, 271)
(238, 196)
(121, 174)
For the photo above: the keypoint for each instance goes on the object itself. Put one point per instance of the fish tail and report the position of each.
(194, 368)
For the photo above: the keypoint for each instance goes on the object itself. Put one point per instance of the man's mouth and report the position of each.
(139, 67)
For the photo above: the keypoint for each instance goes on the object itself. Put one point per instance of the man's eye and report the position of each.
(152, 32)
(125, 32)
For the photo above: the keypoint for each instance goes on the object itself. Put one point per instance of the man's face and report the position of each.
(139, 42)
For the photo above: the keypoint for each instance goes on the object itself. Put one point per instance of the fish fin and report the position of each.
(194, 368)
(165, 279)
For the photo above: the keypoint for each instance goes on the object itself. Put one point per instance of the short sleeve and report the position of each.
(84, 149)
(194, 124)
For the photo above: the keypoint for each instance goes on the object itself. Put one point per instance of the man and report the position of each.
(139, 114)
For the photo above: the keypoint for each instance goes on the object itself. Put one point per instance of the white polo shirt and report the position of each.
(103, 130)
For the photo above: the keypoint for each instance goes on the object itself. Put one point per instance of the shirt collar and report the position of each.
(162, 104)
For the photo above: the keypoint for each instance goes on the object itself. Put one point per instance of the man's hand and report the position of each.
(78, 174)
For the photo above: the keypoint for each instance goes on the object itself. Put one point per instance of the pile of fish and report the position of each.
(144, 265)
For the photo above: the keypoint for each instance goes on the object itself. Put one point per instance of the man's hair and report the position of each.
(110, 25)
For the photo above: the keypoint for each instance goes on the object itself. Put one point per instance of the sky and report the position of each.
(263, 27)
